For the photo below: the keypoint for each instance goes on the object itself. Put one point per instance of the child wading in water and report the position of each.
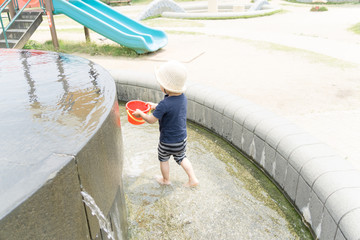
(171, 114)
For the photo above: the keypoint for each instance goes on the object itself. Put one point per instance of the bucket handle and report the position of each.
(133, 118)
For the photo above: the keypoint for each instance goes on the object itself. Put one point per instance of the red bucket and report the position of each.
(132, 106)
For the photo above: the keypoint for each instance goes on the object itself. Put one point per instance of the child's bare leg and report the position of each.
(165, 172)
(186, 165)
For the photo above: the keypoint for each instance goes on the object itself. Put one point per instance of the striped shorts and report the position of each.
(178, 150)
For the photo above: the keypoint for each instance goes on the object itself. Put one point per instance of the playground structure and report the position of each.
(93, 14)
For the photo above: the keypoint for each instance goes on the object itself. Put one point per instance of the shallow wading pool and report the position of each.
(235, 200)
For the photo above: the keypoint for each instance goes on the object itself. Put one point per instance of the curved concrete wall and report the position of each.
(57, 211)
(61, 149)
(324, 187)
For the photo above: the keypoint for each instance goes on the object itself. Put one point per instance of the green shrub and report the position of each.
(318, 9)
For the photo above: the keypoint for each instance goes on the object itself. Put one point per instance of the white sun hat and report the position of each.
(172, 76)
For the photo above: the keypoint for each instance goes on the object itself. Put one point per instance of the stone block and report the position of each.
(269, 160)
(227, 128)
(199, 113)
(132, 93)
(118, 87)
(217, 122)
(204, 93)
(349, 225)
(121, 77)
(316, 167)
(157, 96)
(144, 94)
(223, 101)
(316, 208)
(290, 143)
(135, 78)
(241, 113)
(305, 153)
(121, 92)
(148, 81)
(259, 155)
(193, 91)
(246, 141)
(291, 182)
(208, 115)
(237, 135)
(124, 93)
(255, 118)
(213, 96)
(331, 182)
(266, 125)
(343, 202)
(274, 136)
(234, 105)
(280, 167)
(302, 198)
(328, 227)
(191, 110)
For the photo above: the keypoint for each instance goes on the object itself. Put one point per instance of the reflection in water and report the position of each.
(32, 96)
(71, 99)
(50, 103)
(234, 200)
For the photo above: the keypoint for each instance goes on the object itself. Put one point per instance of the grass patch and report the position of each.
(321, 3)
(355, 28)
(90, 48)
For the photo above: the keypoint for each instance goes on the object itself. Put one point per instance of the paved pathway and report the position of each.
(302, 65)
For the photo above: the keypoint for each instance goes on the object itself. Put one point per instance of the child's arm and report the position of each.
(148, 118)
(152, 105)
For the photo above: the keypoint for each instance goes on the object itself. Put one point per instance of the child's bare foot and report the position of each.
(192, 183)
(162, 181)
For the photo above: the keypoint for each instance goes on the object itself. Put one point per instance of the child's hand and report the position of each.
(137, 113)
(152, 105)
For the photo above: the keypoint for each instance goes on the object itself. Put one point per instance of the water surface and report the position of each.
(50, 105)
(234, 200)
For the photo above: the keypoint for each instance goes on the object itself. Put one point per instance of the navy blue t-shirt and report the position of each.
(171, 112)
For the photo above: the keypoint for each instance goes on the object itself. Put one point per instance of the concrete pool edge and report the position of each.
(324, 187)
(56, 196)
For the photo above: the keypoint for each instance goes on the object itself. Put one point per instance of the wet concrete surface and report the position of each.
(60, 134)
(233, 201)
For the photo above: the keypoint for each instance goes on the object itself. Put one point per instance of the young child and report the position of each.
(171, 114)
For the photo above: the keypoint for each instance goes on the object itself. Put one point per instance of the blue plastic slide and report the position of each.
(113, 25)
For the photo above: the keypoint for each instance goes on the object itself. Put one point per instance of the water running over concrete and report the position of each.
(234, 199)
(60, 134)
